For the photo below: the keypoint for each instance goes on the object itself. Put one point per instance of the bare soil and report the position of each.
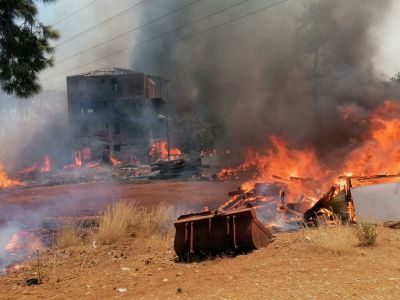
(87, 198)
(291, 267)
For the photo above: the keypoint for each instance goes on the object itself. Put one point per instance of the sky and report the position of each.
(387, 59)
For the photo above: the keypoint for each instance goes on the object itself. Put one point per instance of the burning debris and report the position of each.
(160, 151)
(303, 178)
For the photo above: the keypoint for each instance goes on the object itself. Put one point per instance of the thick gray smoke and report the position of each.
(286, 71)
(289, 70)
(32, 128)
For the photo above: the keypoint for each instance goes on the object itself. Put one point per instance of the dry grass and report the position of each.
(158, 220)
(124, 219)
(69, 235)
(338, 239)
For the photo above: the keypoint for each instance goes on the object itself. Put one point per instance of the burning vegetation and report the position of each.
(285, 181)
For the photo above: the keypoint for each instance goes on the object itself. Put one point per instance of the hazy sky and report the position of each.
(388, 40)
(387, 37)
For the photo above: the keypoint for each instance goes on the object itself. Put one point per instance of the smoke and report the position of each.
(288, 70)
(32, 128)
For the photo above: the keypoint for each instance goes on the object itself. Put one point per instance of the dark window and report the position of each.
(116, 127)
(117, 148)
(114, 84)
(84, 128)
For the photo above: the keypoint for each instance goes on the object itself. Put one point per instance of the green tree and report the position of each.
(25, 48)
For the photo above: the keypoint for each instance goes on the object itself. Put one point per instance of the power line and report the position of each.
(155, 37)
(129, 31)
(106, 21)
(75, 12)
(179, 40)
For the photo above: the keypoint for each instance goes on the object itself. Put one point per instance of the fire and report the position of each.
(21, 246)
(46, 165)
(379, 152)
(5, 181)
(305, 178)
(45, 168)
(159, 151)
(115, 161)
(23, 241)
(299, 169)
(16, 268)
(78, 159)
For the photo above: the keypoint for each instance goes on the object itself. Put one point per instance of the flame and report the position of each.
(159, 151)
(376, 159)
(299, 169)
(16, 268)
(21, 245)
(46, 167)
(30, 169)
(78, 159)
(5, 181)
(23, 241)
(115, 161)
(379, 152)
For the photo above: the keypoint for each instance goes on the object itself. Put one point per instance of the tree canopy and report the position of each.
(25, 48)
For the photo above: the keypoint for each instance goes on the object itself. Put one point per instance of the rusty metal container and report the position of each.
(221, 231)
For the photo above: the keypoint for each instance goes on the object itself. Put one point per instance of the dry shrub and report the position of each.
(69, 235)
(366, 234)
(125, 219)
(337, 239)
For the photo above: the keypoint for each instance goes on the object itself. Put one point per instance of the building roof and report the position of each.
(108, 71)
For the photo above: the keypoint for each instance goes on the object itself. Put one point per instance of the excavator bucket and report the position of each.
(218, 232)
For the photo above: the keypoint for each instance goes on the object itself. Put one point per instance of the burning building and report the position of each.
(113, 113)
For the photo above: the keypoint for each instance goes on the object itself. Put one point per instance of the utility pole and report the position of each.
(166, 119)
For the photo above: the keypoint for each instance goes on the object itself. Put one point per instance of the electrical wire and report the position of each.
(75, 12)
(128, 32)
(180, 40)
(106, 21)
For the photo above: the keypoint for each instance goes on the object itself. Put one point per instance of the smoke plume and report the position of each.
(288, 71)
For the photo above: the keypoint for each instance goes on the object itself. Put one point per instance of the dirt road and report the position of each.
(87, 199)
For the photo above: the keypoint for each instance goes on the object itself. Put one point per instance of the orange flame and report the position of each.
(379, 152)
(78, 159)
(304, 174)
(46, 167)
(159, 151)
(5, 181)
(299, 169)
(23, 240)
(115, 161)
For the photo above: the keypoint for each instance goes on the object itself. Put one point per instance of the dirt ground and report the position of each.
(291, 267)
(88, 199)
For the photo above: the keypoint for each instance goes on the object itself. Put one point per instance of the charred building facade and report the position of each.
(115, 111)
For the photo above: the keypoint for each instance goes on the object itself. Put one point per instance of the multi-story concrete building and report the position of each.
(115, 111)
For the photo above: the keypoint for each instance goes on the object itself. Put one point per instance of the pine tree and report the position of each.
(25, 48)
